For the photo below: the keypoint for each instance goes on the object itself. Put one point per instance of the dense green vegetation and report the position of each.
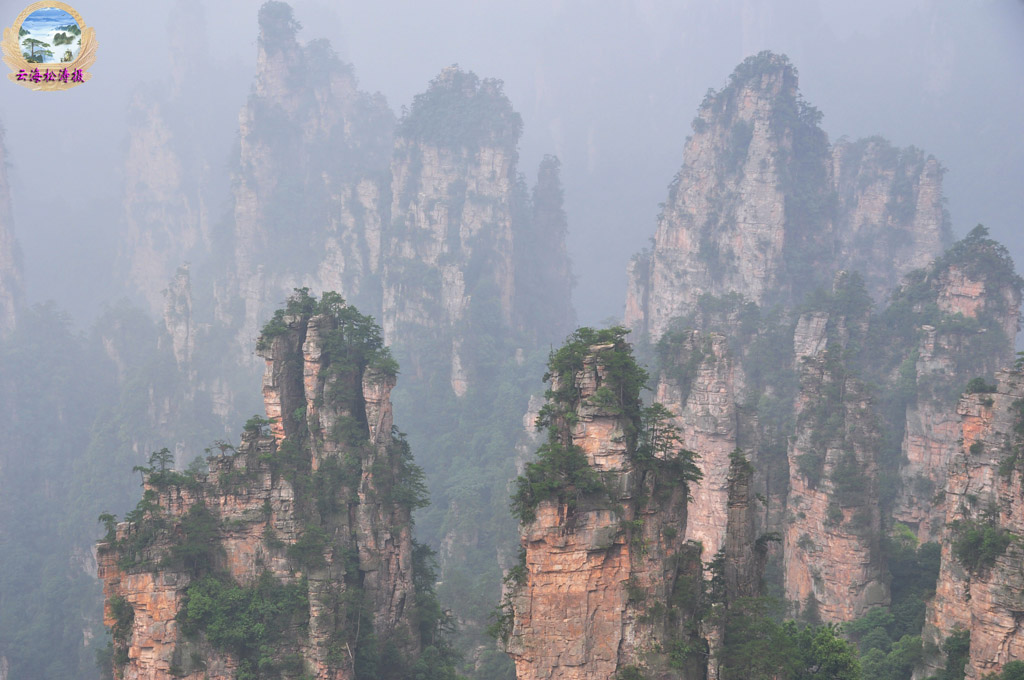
(897, 329)
(957, 648)
(1014, 670)
(889, 639)
(757, 646)
(464, 442)
(541, 270)
(248, 622)
(878, 351)
(264, 623)
(977, 545)
(88, 408)
(352, 340)
(561, 471)
(1014, 448)
(460, 111)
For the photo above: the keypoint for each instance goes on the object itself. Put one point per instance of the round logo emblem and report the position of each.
(49, 47)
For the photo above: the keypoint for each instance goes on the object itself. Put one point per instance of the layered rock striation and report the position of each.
(833, 564)
(424, 222)
(966, 309)
(452, 213)
(703, 384)
(606, 583)
(843, 396)
(293, 554)
(467, 244)
(890, 211)
(306, 193)
(980, 589)
(765, 208)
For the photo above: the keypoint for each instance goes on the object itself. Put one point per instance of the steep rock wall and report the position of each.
(890, 217)
(763, 207)
(833, 562)
(981, 584)
(977, 297)
(703, 388)
(174, 183)
(312, 499)
(312, 148)
(600, 573)
(164, 204)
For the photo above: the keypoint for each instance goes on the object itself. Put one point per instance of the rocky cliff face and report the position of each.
(165, 207)
(974, 297)
(981, 585)
(312, 149)
(842, 409)
(833, 562)
(10, 264)
(467, 246)
(703, 387)
(174, 183)
(178, 317)
(453, 197)
(606, 583)
(310, 516)
(890, 218)
(765, 208)
(426, 224)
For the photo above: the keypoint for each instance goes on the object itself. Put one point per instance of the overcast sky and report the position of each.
(610, 87)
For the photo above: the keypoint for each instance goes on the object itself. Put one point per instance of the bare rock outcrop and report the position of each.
(890, 213)
(832, 555)
(312, 149)
(765, 208)
(981, 585)
(310, 516)
(607, 582)
(702, 385)
(968, 334)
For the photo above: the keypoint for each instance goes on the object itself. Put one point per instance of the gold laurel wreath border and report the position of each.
(12, 49)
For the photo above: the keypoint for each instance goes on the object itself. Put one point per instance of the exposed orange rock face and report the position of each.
(155, 597)
(593, 573)
(832, 558)
(960, 293)
(983, 490)
(259, 515)
(933, 429)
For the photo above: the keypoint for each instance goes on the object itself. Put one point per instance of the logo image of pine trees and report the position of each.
(36, 53)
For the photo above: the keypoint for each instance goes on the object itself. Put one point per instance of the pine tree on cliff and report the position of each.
(293, 555)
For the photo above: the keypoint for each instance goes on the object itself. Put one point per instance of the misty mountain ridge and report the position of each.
(814, 421)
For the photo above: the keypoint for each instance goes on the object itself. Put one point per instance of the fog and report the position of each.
(610, 88)
(116, 181)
